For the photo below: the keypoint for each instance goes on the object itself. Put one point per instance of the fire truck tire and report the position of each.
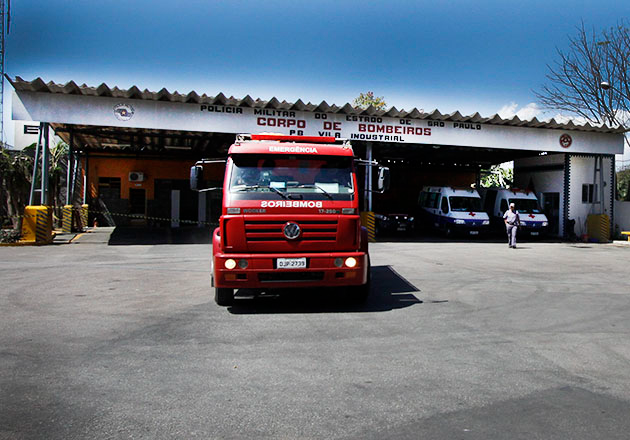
(223, 296)
(360, 294)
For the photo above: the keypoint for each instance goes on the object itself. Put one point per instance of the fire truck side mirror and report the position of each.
(383, 179)
(196, 177)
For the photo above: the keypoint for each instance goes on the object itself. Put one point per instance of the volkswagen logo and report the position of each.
(292, 230)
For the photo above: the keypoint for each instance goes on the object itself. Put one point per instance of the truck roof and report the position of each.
(281, 144)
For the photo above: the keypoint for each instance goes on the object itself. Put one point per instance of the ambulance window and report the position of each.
(444, 205)
(432, 201)
(423, 197)
(504, 206)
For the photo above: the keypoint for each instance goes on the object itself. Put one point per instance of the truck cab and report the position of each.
(290, 217)
(533, 221)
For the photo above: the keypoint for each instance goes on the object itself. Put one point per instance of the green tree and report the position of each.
(16, 173)
(497, 176)
(364, 100)
(58, 170)
(623, 184)
(16, 169)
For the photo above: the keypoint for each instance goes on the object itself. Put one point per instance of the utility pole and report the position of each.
(5, 18)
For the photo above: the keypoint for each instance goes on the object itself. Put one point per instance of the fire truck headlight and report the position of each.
(351, 262)
(349, 211)
(338, 262)
(243, 264)
(230, 264)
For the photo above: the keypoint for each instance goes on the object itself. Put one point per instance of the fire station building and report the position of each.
(132, 150)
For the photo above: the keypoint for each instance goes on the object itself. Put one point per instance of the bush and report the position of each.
(9, 235)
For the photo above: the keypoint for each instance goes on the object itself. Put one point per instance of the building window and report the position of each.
(31, 129)
(109, 188)
(589, 193)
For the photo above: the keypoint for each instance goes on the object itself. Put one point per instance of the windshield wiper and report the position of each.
(308, 185)
(248, 187)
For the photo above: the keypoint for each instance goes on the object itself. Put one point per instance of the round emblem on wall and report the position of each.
(123, 112)
(565, 141)
(291, 230)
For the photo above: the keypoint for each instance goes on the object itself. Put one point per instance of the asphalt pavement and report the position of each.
(459, 340)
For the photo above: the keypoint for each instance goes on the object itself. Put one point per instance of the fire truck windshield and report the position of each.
(296, 177)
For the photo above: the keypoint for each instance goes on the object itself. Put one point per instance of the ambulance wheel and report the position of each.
(223, 296)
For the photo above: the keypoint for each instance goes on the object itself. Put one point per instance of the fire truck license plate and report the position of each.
(291, 263)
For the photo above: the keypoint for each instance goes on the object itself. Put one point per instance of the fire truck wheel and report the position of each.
(361, 293)
(223, 296)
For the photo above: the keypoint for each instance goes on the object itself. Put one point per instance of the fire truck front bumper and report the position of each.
(273, 271)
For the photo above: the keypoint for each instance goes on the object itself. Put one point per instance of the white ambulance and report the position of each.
(453, 210)
(533, 221)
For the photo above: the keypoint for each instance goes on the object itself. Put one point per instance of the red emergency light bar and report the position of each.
(286, 138)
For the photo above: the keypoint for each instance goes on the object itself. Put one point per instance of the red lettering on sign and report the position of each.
(281, 122)
(389, 129)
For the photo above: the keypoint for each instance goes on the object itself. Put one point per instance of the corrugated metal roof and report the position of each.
(38, 85)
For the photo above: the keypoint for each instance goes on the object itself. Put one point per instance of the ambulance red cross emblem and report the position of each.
(565, 141)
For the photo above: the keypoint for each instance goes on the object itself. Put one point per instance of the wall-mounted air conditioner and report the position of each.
(136, 176)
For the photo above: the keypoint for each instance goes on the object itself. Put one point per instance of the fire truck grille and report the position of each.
(271, 230)
(289, 277)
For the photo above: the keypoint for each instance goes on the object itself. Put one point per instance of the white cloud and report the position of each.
(528, 112)
(508, 110)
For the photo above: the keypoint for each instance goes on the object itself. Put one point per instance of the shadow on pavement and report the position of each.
(129, 235)
(436, 237)
(389, 291)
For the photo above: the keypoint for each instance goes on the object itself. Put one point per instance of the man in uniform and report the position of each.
(512, 222)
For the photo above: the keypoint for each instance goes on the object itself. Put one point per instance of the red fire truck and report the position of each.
(290, 216)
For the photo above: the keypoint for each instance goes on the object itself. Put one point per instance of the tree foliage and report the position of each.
(498, 176)
(16, 174)
(16, 169)
(575, 79)
(623, 184)
(364, 100)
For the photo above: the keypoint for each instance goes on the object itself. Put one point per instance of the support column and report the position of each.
(45, 164)
(201, 211)
(85, 179)
(70, 174)
(31, 200)
(367, 205)
(175, 198)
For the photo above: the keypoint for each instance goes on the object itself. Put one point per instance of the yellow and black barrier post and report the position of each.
(367, 220)
(84, 216)
(598, 227)
(37, 225)
(66, 219)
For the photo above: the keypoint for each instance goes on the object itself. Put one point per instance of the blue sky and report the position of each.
(485, 56)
